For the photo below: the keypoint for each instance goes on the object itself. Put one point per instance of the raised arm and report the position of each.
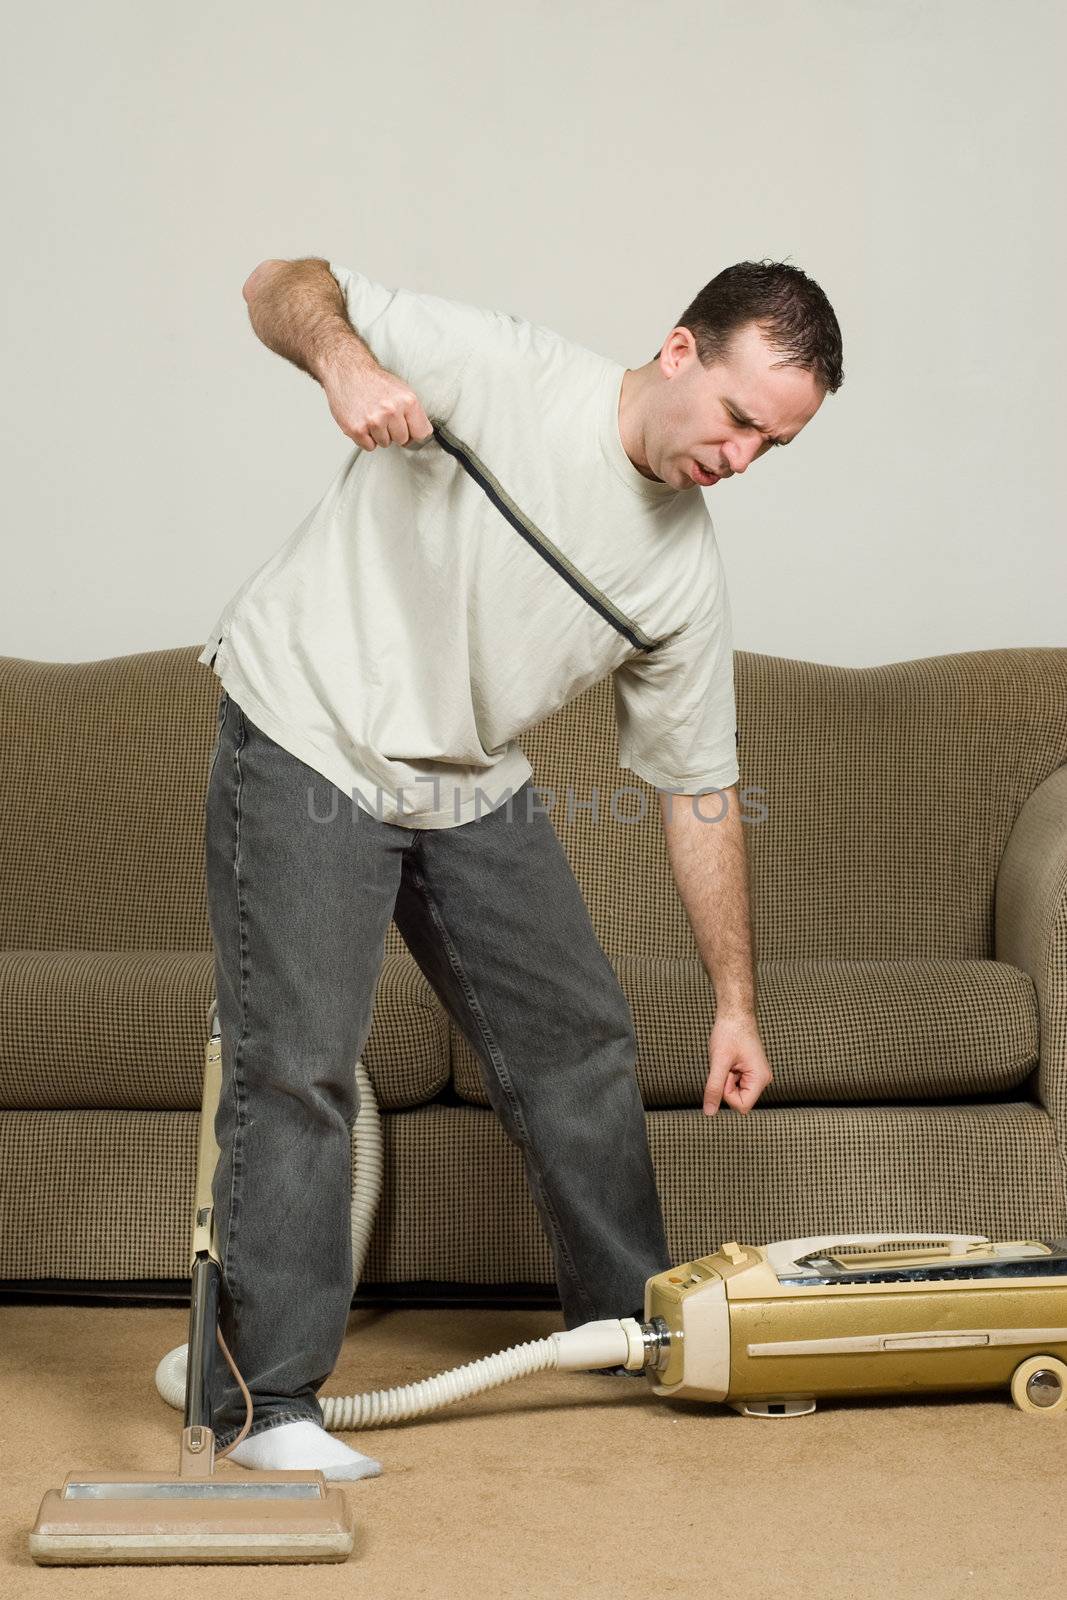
(298, 311)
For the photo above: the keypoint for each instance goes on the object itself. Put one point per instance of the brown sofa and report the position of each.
(909, 884)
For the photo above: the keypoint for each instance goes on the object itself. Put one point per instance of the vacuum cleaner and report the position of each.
(764, 1329)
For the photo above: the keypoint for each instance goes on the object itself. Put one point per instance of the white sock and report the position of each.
(300, 1446)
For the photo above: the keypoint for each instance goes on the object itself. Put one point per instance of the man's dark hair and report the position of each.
(793, 313)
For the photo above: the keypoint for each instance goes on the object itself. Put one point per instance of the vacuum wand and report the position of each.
(194, 1515)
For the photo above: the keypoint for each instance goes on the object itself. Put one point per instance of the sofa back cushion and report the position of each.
(888, 795)
(885, 794)
(102, 784)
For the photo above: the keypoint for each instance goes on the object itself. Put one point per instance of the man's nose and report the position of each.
(741, 453)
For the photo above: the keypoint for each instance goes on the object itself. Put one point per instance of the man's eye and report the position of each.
(775, 443)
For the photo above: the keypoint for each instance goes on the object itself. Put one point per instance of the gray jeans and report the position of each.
(302, 884)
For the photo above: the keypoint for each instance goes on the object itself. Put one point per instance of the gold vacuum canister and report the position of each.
(767, 1329)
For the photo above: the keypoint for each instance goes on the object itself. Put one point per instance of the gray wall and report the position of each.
(588, 167)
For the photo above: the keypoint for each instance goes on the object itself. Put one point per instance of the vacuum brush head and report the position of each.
(114, 1518)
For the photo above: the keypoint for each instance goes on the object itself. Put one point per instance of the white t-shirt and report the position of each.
(437, 602)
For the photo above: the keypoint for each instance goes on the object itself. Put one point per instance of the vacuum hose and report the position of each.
(609, 1343)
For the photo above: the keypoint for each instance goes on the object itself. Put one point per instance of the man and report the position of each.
(536, 527)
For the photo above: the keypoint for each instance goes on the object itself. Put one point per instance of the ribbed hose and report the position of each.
(595, 1344)
(368, 1165)
(340, 1413)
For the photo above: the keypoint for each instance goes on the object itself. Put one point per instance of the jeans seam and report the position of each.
(242, 1034)
(220, 723)
(502, 1072)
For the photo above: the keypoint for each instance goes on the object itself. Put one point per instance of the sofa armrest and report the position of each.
(1031, 928)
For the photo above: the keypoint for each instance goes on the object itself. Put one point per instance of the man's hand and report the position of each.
(298, 311)
(738, 1068)
(373, 406)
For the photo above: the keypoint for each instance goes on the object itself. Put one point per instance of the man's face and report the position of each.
(723, 418)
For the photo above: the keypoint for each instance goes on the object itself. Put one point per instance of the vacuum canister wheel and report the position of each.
(1039, 1384)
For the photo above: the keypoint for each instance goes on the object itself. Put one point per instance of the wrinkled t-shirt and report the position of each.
(438, 601)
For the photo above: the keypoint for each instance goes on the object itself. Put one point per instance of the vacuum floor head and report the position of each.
(117, 1518)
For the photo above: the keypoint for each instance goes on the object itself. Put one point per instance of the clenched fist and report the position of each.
(375, 407)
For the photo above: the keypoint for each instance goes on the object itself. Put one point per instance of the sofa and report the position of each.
(907, 846)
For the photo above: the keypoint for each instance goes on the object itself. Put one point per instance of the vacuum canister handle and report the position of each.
(785, 1256)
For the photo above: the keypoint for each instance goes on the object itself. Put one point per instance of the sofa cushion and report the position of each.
(106, 1195)
(102, 787)
(878, 802)
(127, 1029)
(847, 1031)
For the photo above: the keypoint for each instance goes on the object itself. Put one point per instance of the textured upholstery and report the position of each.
(908, 858)
(889, 792)
(844, 1031)
(109, 1194)
(1031, 925)
(102, 786)
(126, 1028)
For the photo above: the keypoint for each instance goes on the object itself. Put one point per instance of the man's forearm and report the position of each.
(710, 866)
(298, 311)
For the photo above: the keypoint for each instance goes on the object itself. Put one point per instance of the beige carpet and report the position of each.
(561, 1484)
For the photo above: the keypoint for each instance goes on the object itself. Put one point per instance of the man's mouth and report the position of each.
(700, 475)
